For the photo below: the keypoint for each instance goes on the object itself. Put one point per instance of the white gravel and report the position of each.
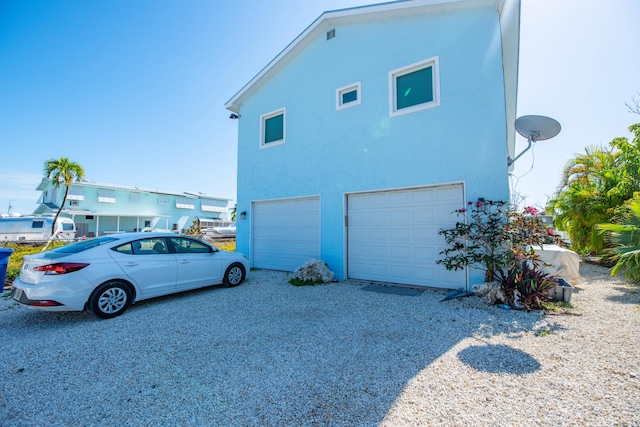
(270, 354)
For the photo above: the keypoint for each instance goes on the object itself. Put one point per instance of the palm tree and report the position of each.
(586, 195)
(62, 171)
(623, 239)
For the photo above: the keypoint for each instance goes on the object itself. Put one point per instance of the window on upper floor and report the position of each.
(414, 87)
(183, 203)
(272, 128)
(75, 193)
(348, 96)
(106, 196)
(135, 197)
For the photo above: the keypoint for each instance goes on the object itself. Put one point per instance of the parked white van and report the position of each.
(35, 229)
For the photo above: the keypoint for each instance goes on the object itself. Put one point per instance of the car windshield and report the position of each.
(84, 245)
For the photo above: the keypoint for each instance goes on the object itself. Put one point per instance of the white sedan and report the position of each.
(108, 273)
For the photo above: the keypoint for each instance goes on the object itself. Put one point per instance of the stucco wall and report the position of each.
(331, 153)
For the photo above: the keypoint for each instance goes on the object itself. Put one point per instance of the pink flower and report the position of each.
(479, 204)
(463, 210)
(531, 210)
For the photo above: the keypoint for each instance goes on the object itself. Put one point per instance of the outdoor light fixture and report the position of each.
(243, 215)
(534, 128)
(234, 116)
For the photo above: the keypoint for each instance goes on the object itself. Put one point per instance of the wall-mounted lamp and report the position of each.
(243, 215)
(481, 204)
(234, 116)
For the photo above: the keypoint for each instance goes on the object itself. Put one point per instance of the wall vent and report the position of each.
(331, 34)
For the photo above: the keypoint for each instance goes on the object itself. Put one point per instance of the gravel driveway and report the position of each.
(267, 353)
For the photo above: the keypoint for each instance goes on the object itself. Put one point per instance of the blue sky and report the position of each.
(134, 91)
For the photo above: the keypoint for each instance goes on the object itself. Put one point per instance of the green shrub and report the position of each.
(299, 282)
(498, 240)
(19, 251)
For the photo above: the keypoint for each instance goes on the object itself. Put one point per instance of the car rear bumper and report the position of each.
(45, 298)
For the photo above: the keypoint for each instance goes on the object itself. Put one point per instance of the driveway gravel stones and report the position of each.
(268, 353)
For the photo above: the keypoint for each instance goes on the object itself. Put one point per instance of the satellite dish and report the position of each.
(535, 128)
(538, 128)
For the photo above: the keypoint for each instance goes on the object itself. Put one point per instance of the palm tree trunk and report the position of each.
(55, 218)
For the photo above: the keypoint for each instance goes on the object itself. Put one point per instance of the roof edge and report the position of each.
(329, 18)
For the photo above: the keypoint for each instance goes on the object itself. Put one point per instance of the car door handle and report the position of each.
(130, 264)
(184, 261)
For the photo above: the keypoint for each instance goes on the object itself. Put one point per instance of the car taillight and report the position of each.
(61, 268)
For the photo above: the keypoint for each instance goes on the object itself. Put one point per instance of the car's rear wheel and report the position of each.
(110, 299)
(234, 275)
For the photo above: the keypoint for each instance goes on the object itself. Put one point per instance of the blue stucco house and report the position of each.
(99, 209)
(358, 141)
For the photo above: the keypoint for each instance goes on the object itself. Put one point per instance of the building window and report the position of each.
(135, 197)
(185, 203)
(106, 196)
(348, 96)
(272, 128)
(162, 200)
(75, 193)
(414, 88)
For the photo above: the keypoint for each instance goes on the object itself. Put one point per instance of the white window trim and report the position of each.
(429, 62)
(346, 89)
(264, 118)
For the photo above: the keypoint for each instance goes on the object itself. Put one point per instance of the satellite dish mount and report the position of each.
(535, 128)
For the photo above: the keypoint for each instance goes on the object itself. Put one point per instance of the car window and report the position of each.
(84, 245)
(183, 246)
(151, 246)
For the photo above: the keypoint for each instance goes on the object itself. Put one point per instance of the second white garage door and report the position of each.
(285, 233)
(393, 235)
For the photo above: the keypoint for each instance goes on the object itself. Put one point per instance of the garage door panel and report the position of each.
(400, 233)
(285, 233)
(393, 235)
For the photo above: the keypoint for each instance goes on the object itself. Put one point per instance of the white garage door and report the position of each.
(393, 236)
(285, 233)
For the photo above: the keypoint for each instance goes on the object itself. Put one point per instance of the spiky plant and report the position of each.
(623, 241)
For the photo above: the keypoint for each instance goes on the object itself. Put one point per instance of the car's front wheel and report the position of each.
(234, 275)
(110, 299)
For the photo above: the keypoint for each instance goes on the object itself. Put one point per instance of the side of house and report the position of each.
(103, 208)
(358, 141)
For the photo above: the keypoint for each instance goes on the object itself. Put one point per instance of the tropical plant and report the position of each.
(594, 188)
(194, 229)
(484, 239)
(623, 239)
(524, 284)
(499, 240)
(62, 171)
(479, 240)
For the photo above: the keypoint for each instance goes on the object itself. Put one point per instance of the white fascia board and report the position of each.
(341, 16)
(509, 12)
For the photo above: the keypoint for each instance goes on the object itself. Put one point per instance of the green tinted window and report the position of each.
(274, 129)
(414, 88)
(349, 96)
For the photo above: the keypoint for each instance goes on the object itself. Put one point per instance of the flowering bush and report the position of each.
(499, 240)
